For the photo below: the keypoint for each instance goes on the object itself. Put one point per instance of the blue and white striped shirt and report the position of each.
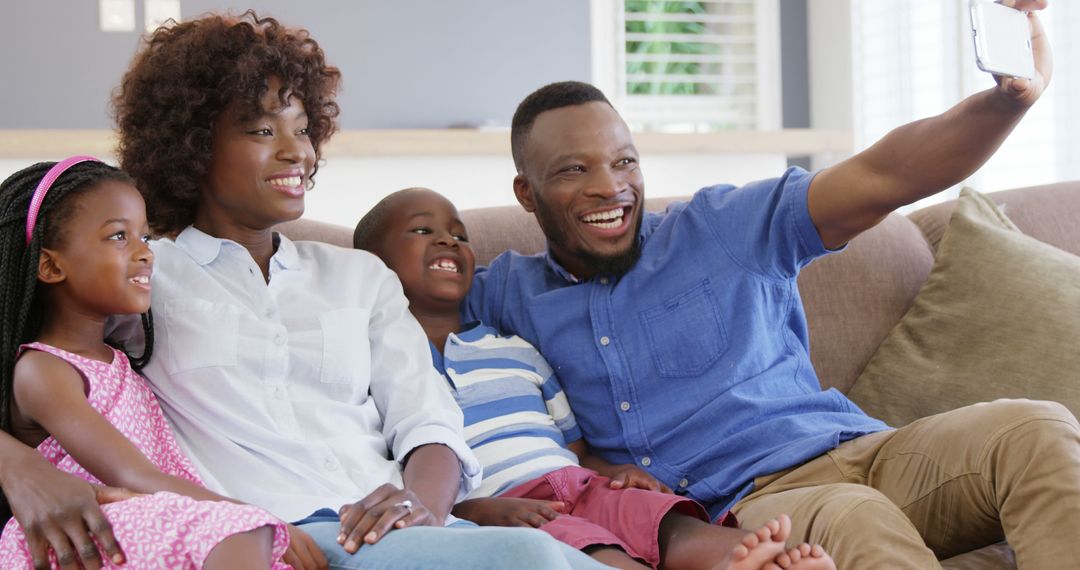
(517, 419)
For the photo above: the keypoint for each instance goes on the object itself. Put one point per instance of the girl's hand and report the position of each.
(498, 511)
(385, 509)
(630, 476)
(303, 553)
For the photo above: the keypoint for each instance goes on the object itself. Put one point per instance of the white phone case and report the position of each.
(1002, 40)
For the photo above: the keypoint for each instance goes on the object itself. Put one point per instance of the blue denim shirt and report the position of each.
(694, 365)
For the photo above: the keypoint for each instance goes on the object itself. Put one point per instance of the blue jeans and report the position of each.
(460, 545)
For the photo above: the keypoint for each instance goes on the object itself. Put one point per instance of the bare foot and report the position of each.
(802, 557)
(762, 546)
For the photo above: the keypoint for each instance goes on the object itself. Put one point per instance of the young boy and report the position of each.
(537, 469)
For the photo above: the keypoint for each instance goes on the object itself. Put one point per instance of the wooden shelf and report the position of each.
(50, 143)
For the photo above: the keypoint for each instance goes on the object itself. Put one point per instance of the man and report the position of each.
(682, 344)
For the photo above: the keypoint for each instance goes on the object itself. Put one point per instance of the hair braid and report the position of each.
(21, 310)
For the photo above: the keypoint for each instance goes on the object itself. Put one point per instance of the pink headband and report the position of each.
(43, 188)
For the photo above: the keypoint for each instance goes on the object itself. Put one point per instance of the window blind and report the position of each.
(701, 65)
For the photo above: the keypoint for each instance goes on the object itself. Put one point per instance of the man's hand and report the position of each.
(385, 509)
(498, 511)
(303, 553)
(630, 476)
(61, 512)
(1027, 91)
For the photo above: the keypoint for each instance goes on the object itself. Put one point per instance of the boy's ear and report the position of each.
(523, 192)
(49, 268)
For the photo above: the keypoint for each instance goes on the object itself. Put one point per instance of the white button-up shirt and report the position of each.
(302, 393)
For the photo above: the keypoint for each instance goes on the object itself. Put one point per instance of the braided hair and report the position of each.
(21, 309)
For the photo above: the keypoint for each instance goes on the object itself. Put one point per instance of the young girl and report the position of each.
(522, 429)
(73, 252)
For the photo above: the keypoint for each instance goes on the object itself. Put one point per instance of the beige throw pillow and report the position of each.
(999, 317)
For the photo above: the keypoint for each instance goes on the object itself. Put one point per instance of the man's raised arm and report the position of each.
(927, 156)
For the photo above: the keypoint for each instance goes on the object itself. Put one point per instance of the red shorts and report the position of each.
(596, 514)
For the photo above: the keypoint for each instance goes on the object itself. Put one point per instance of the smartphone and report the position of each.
(1002, 39)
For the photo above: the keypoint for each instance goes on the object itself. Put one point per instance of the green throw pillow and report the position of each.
(999, 317)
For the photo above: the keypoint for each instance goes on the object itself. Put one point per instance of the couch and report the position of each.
(852, 299)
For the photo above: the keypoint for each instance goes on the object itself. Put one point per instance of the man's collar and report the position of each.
(559, 269)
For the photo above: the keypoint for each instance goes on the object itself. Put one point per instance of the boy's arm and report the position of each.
(927, 156)
(500, 511)
(49, 392)
(622, 476)
(56, 510)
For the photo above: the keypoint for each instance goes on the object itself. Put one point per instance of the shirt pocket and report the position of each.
(686, 332)
(200, 334)
(346, 354)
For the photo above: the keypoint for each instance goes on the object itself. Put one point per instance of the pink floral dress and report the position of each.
(162, 530)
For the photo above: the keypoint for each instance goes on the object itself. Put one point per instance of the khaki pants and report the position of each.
(938, 487)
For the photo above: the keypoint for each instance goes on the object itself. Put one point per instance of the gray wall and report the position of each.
(405, 63)
(795, 70)
(795, 64)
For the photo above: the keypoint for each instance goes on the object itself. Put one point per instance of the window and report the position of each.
(691, 66)
(914, 59)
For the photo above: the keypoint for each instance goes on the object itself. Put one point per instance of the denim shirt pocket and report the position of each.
(686, 332)
(345, 352)
(200, 334)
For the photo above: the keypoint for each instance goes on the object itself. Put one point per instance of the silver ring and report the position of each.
(406, 503)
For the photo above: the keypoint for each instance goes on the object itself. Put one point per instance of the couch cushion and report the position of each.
(314, 230)
(1046, 213)
(854, 298)
(996, 319)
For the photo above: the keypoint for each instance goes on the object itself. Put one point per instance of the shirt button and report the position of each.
(279, 339)
(684, 483)
(646, 461)
(269, 312)
(603, 280)
(605, 340)
(625, 406)
(279, 393)
(329, 463)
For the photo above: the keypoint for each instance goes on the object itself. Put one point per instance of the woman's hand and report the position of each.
(385, 509)
(61, 512)
(498, 511)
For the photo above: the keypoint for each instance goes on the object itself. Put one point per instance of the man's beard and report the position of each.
(614, 265)
(610, 265)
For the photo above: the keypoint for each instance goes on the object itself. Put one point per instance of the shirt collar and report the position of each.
(205, 248)
(471, 331)
(202, 247)
(559, 269)
(286, 255)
